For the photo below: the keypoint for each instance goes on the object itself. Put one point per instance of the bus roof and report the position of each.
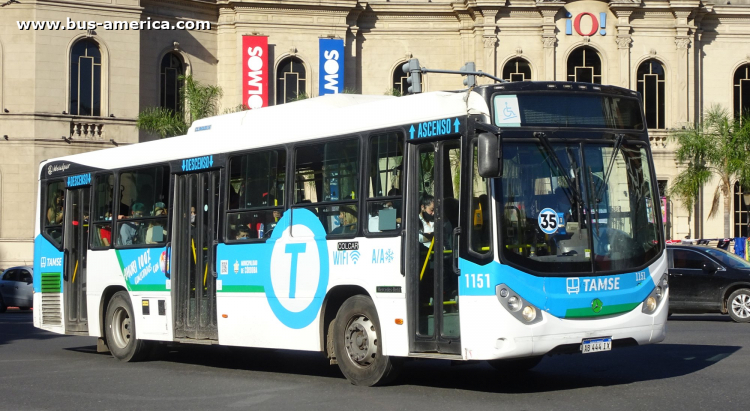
(325, 116)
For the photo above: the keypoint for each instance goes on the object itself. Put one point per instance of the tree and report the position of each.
(718, 146)
(200, 101)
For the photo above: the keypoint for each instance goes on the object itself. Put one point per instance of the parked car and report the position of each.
(708, 280)
(17, 288)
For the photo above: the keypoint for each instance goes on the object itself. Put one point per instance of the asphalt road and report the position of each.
(703, 364)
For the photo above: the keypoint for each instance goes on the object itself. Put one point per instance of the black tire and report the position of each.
(3, 307)
(515, 364)
(120, 332)
(738, 305)
(356, 341)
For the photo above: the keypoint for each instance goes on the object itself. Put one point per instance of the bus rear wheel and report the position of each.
(120, 330)
(357, 344)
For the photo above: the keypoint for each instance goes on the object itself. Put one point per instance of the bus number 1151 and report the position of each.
(477, 281)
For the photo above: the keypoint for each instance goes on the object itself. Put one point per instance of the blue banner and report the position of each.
(331, 77)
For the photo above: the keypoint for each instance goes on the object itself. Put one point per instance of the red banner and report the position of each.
(255, 72)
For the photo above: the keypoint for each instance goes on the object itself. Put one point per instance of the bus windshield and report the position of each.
(548, 227)
(569, 110)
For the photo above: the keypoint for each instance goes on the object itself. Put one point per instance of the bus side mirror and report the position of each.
(490, 155)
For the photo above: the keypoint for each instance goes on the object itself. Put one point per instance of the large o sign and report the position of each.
(596, 25)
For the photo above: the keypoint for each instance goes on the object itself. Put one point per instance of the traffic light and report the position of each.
(415, 76)
(471, 79)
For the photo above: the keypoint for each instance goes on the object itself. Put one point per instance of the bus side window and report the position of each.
(384, 182)
(326, 176)
(256, 194)
(101, 215)
(480, 238)
(54, 211)
(143, 207)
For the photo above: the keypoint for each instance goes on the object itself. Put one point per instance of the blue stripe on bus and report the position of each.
(555, 295)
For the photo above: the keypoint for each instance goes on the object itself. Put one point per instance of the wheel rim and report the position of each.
(121, 327)
(741, 306)
(361, 341)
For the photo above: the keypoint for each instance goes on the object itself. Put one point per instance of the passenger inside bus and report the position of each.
(347, 221)
(426, 219)
(243, 233)
(129, 231)
(155, 231)
(56, 208)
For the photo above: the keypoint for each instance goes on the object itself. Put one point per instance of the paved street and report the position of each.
(702, 365)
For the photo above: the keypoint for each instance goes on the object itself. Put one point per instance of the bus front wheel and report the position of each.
(358, 345)
(120, 330)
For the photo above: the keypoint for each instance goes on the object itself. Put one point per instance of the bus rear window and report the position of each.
(571, 110)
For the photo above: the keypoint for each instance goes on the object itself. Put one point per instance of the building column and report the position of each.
(352, 69)
(489, 41)
(549, 9)
(624, 40)
(683, 100)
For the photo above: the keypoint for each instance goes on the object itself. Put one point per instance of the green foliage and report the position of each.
(393, 92)
(349, 90)
(236, 109)
(200, 101)
(162, 121)
(717, 146)
(298, 97)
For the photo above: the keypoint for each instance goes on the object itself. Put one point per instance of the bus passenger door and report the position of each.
(76, 244)
(433, 215)
(194, 254)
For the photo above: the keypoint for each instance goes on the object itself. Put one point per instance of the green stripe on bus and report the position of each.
(242, 289)
(50, 282)
(122, 270)
(148, 287)
(606, 310)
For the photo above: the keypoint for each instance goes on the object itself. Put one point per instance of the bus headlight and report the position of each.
(657, 295)
(517, 306)
(529, 313)
(514, 303)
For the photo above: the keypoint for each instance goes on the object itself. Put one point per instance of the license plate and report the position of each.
(596, 345)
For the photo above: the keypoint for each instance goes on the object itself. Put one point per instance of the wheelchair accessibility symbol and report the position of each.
(508, 112)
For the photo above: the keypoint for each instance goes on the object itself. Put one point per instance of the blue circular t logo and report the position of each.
(303, 318)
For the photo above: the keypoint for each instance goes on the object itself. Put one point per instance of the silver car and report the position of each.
(17, 288)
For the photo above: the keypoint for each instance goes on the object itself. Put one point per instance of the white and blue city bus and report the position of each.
(502, 223)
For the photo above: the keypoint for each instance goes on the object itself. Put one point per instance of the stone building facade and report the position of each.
(683, 55)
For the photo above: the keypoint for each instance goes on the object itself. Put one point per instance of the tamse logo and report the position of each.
(347, 245)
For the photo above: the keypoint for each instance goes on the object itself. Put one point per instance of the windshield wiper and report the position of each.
(551, 153)
(596, 203)
(618, 144)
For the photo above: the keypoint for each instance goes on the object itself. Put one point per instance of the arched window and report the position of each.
(585, 65)
(291, 80)
(651, 85)
(742, 91)
(399, 85)
(741, 212)
(171, 70)
(517, 69)
(85, 79)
